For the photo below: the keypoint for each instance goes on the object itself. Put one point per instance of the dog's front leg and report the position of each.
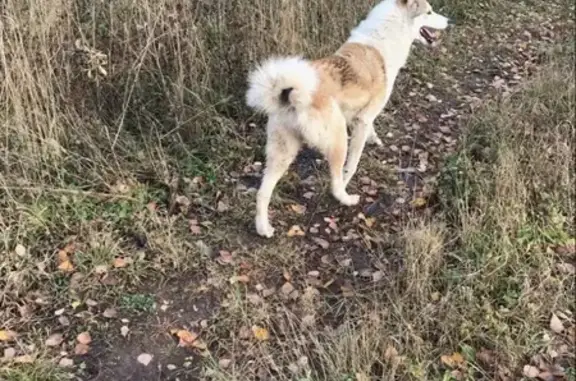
(281, 149)
(360, 133)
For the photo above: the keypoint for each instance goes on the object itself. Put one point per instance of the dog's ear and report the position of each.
(414, 6)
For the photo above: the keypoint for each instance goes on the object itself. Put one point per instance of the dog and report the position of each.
(314, 102)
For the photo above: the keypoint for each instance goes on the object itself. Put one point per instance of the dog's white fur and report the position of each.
(304, 106)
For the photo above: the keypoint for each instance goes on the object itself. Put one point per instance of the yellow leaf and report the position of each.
(370, 221)
(7, 335)
(187, 338)
(298, 209)
(419, 202)
(261, 334)
(66, 266)
(453, 361)
(296, 231)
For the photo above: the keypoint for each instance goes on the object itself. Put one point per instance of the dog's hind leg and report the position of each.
(282, 147)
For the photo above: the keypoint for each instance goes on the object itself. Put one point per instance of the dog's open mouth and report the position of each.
(429, 35)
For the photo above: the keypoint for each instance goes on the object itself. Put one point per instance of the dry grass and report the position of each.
(111, 110)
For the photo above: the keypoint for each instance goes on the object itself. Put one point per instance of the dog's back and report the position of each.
(353, 76)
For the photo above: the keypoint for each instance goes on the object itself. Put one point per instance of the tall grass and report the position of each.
(90, 87)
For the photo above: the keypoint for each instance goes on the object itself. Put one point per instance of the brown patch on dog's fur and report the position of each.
(353, 76)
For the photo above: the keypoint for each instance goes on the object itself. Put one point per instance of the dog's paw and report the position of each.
(264, 229)
(350, 199)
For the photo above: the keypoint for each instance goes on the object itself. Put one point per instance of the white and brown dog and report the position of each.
(313, 102)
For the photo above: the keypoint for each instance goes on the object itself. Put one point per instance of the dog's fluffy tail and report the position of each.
(281, 83)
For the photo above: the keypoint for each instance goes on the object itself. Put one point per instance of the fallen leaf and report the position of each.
(84, 338)
(194, 227)
(9, 353)
(224, 363)
(91, 303)
(321, 242)
(452, 361)
(566, 268)
(377, 276)
(254, 299)
(370, 221)
(186, 338)
(418, 202)
(486, 357)
(296, 231)
(64, 321)
(556, 324)
(391, 353)
(546, 376)
(225, 257)
(530, 371)
(347, 291)
(24, 359)
(54, 340)
(145, 359)
(309, 195)
(101, 269)
(182, 201)
(66, 362)
(6, 335)
(66, 266)
(261, 334)
(81, 349)
(298, 209)
(121, 262)
(240, 279)
(222, 207)
(110, 313)
(287, 288)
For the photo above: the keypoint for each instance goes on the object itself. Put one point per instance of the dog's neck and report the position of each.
(390, 31)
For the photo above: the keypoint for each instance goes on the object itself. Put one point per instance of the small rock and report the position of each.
(124, 331)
